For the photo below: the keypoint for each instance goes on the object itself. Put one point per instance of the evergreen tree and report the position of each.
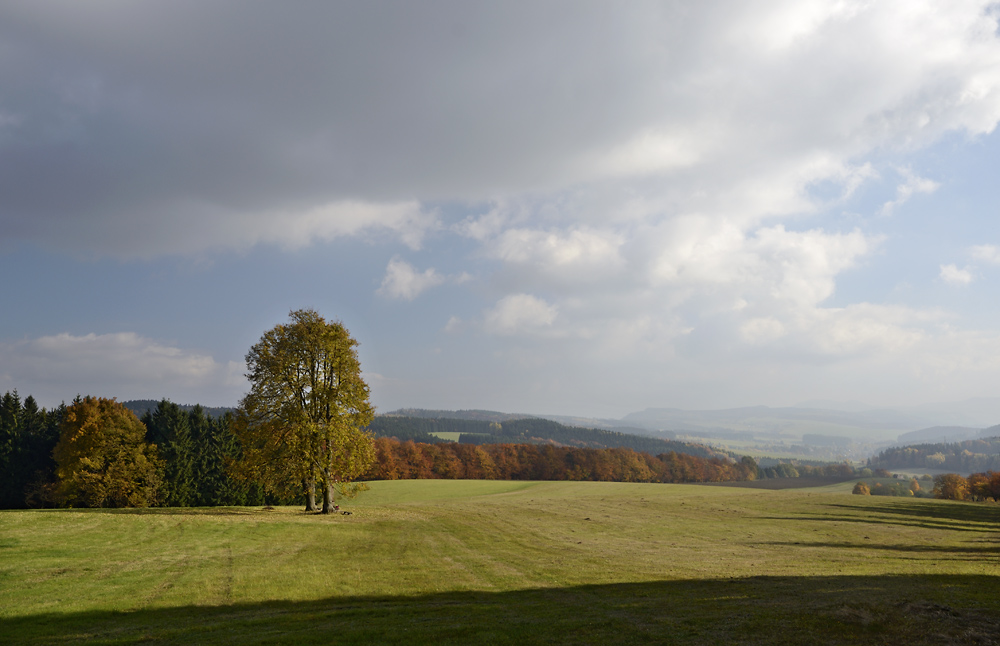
(11, 494)
(169, 428)
(39, 439)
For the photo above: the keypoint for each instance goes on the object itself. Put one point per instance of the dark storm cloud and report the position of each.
(117, 111)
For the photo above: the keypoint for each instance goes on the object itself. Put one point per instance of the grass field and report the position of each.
(451, 436)
(458, 562)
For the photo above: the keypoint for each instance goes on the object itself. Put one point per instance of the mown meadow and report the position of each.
(496, 562)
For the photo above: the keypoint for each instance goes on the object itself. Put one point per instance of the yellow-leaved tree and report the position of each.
(103, 459)
(302, 423)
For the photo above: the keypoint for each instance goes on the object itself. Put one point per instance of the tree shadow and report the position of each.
(984, 513)
(773, 610)
(875, 519)
(971, 517)
(943, 551)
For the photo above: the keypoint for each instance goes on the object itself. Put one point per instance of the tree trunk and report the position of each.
(310, 495)
(327, 493)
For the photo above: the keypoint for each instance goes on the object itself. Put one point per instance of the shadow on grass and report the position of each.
(874, 518)
(987, 513)
(950, 553)
(759, 610)
(929, 514)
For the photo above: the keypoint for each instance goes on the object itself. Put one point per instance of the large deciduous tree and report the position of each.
(103, 459)
(302, 423)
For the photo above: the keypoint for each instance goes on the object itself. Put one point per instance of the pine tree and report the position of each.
(168, 427)
(11, 495)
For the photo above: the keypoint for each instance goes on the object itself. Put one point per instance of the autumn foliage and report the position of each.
(103, 459)
(977, 487)
(395, 460)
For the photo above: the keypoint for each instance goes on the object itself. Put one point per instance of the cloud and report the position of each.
(986, 253)
(519, 314)
(952, 275)
(665, 176)
(911, 186)
(404, 282)
(762, 330)
(770, 263)
(123, 365)
(361, 119)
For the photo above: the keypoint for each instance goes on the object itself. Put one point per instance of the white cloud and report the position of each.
(123, 365)
(350, 218)
(552, 250)
(762, 330)
(772, 262)
(986, 253)
(952, 275)
(863, 328)
(403, 281)
(911, 186)
(519, 314)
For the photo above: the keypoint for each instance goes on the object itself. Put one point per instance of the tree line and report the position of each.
(535, 430)
(524, 430)
(28, 435)
(980, 455)
(97, 453)
(911, 487)
(978, 487)
(403, 460)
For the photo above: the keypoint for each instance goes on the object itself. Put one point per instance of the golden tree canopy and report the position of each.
(103, 459)
(303, 419)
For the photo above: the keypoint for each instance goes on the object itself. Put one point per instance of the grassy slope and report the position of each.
(505, 562)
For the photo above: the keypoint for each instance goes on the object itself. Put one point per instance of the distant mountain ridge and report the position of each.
(848, 420)
(940, 434)
(469, 414)
(838, 423)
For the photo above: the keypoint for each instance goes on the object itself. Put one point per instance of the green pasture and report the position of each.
(451, 436)
(484, 562)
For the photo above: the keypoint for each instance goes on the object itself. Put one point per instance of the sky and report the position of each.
(561, 207)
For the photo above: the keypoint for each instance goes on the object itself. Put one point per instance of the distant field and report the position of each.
(446, 435)
(456, 562)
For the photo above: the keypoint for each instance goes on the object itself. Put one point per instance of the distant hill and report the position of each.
(140, 406)
(526, 431)
(939, 434)
(477, 415)
(851, 420)
(966, 457)
(764, 421)
(566, 420)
